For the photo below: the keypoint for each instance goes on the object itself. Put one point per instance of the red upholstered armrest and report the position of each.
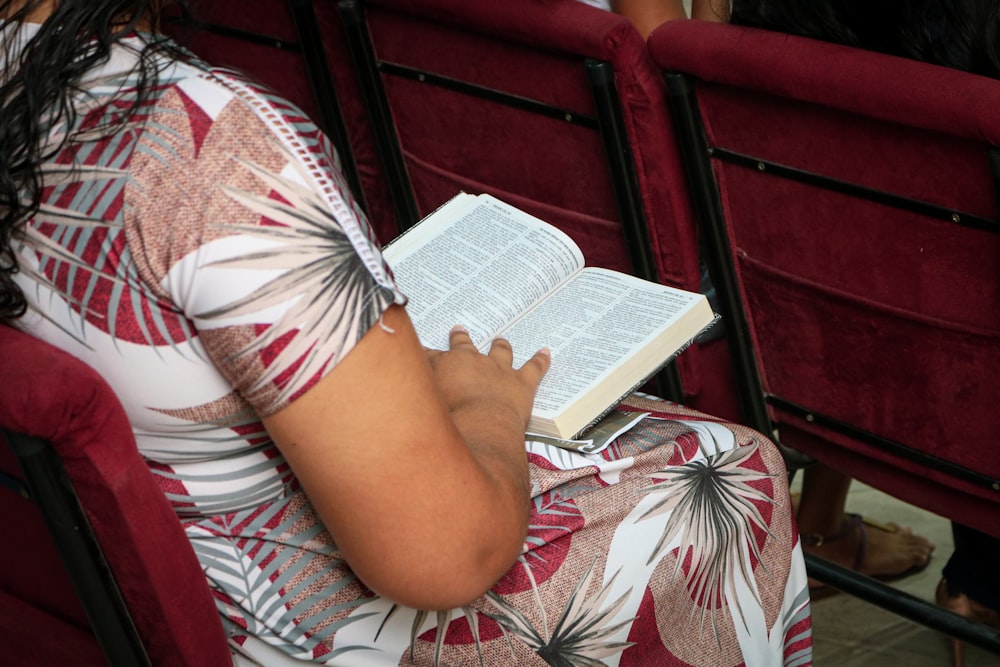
(47, 393)
(893, 88)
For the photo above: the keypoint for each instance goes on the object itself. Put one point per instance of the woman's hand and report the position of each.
(469, 380)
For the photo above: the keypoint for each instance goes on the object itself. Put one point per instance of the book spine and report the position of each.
(414, 226)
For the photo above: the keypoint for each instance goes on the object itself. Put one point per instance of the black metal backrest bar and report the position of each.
(377, 106)
(482, 92)
(625, 182)
(878, 196)
(71, 532)
(249, 36)
(706, 202)
(994, 158)
(331, 118)
(14, 484)
(891, 446)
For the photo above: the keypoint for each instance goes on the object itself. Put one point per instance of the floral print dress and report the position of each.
(208, 259)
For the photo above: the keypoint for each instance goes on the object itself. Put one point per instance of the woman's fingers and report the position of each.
(532, 370)
(501, 351)
(459, 337)
(535, 368)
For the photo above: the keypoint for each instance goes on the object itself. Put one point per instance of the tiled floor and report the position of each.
(848, 632)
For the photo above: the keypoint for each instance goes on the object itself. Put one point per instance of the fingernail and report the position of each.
(458, 328)
(545, 352)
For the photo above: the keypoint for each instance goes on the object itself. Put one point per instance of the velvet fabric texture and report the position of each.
(46, 393)
(880, 317)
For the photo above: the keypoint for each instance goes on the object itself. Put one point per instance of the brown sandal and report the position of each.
(855, 523)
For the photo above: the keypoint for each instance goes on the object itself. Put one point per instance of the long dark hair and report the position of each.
(37, 87)
(963, 34)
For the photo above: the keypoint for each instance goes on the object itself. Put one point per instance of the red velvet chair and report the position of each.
(81, 510)
(552, 106)
(850, 201)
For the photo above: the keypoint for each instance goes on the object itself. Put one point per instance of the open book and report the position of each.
(501, 272)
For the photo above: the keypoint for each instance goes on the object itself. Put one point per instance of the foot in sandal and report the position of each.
(884, 551)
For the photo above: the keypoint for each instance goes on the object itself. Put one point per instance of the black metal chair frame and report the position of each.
(46, 484)
(697, 156)
(609, 122)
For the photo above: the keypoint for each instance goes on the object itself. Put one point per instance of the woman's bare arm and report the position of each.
(646, 15)
(710, 10)
(416, 462)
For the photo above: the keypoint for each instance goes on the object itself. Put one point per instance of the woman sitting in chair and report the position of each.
(188, 235)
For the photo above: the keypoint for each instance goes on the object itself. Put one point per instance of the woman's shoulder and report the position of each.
(228, 107)
(213, 88)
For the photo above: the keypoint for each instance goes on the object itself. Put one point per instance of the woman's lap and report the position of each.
(675, 543)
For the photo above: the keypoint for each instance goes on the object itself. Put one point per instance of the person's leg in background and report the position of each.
(880, 550)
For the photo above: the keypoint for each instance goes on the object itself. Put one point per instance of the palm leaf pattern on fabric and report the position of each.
(269, 583)
(798, 616)
(309, 240)
(581, 637)
(443, 620)
(556, 503)
(49, 250)
(97, 177)
(547, 505)
(713, 513)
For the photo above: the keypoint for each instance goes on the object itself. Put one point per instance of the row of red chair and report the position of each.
(849, 205)
(845, 201)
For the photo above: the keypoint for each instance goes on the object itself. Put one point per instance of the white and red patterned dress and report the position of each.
(208, 259)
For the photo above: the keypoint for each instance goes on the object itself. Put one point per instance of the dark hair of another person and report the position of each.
(36, 95)
(962, 34)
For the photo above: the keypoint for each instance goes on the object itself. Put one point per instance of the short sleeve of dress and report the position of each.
(246, 225)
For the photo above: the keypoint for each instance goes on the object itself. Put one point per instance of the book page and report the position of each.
(493, 263)
(591, 324)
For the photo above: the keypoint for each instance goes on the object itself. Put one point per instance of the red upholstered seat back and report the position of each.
(552, 162)
(48, 394)
(36, 594)
(254, 36)
(551, 166)
(876, 310)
